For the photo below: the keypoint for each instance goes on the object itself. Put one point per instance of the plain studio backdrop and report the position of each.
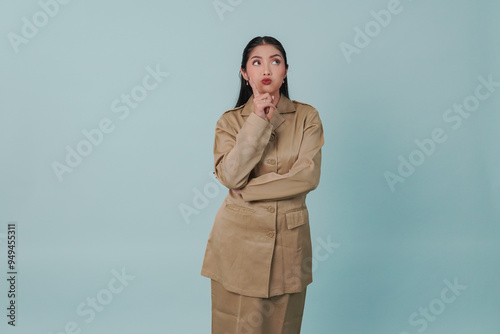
(107, 118)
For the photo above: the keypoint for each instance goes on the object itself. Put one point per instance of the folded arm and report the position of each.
(237, 152)
(301, 178)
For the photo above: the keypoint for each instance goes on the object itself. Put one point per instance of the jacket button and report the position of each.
(270, 234)
(270, 209)
(271, 161)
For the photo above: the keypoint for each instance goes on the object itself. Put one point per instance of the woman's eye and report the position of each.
(256, 62)
(276, 61)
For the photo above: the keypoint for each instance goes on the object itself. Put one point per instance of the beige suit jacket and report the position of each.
(260, 243)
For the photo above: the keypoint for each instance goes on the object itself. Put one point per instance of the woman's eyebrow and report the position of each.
(276, 55)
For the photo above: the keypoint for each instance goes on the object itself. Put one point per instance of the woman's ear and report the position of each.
(243, 74)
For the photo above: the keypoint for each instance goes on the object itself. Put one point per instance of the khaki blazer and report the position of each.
(260, 243)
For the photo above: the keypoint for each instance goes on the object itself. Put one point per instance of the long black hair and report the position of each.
(246, 90)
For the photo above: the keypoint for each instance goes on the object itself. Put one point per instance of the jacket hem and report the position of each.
(250, 293)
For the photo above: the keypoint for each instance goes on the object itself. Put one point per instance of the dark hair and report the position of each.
(246, 90)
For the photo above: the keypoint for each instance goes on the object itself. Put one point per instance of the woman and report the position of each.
(268, 153)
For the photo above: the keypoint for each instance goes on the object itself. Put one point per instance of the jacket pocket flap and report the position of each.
(296, 218)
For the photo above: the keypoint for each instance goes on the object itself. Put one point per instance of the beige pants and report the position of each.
(236, 314)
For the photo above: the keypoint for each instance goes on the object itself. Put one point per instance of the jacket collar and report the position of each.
(284, 106)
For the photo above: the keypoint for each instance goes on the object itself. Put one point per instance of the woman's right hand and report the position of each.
(262, 103)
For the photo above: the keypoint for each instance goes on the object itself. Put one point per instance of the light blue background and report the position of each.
(120, 208)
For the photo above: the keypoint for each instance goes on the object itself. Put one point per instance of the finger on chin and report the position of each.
(254, 87)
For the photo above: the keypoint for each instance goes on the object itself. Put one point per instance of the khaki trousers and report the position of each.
(237, 314)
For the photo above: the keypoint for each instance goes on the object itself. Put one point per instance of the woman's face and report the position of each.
(266, 67)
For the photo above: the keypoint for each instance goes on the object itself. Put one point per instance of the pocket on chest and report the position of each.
(296, 218)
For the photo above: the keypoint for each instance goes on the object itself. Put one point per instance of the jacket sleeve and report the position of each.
(301, 178)
(237, 152)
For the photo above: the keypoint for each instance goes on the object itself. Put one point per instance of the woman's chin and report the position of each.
(270, 90)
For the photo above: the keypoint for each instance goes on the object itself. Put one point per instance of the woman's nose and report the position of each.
(267, 71)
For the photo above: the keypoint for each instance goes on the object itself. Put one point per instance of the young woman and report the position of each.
(268, 153)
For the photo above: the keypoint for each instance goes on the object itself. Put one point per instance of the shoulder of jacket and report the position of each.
(302, 104)
(234, 109)
(304, 107)
(229, 118)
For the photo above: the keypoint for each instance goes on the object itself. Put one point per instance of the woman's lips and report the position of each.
(266, 81)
